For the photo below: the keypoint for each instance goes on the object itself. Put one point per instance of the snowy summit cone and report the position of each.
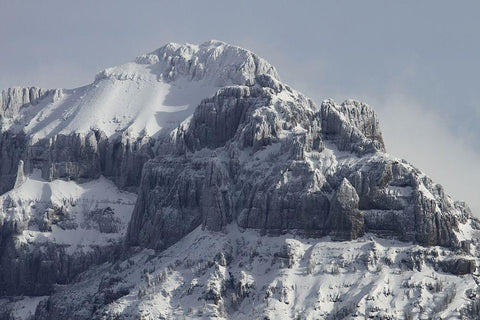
(109, 126)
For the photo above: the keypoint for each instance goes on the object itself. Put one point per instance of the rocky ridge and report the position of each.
(267, 158)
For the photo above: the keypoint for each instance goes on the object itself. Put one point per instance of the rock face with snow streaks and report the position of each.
(82, 133)
(13, 99)
(265, 156)
(345, 221)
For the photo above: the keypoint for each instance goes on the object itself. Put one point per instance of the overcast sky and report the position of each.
(416, 62)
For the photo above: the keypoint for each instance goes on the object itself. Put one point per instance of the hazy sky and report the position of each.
(416, 62)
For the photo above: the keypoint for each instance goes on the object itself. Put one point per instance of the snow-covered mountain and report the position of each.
(157, 91)
(194, 183)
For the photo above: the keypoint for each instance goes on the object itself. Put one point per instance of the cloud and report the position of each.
(422, 137)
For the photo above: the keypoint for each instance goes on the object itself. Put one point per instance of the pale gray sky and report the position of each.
(416, 62)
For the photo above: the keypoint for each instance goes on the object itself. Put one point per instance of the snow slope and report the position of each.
(244, 275)
(78, 216)
(154, 93)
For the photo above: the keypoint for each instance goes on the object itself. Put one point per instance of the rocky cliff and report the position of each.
(264, 156)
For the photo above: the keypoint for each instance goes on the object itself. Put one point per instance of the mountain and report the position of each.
(194, 183)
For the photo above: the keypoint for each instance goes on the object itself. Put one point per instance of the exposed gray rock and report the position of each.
(214, 187)
(195, 196)
(216, 119)
(459, 266)
(75, 156)
(20, 175)
(13, 99)
(345, 221)
(362, 117)
(69, 157)
(353, 126)
(265, 144)
(12, 150)
(35, 269)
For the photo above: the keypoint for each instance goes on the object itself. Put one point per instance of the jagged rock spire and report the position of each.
(20, 175)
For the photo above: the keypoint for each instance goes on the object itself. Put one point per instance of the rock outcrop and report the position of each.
(34, 269)
(76, 157)
(353, 126)
(13, 99)
(459, 266)
(345, 221)
(12, 150)
(265, 156)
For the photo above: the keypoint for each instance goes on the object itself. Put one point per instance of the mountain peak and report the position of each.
(222, 63)
(142, 98)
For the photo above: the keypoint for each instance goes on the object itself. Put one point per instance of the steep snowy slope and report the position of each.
(157, 91)
(243, 275)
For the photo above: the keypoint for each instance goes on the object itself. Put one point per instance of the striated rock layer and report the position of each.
(264, 156)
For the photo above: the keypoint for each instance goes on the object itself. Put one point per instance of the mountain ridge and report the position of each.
(213, 143)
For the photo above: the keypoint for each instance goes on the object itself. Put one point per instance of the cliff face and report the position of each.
(267, 158)
(76, 156)
(13, 99)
